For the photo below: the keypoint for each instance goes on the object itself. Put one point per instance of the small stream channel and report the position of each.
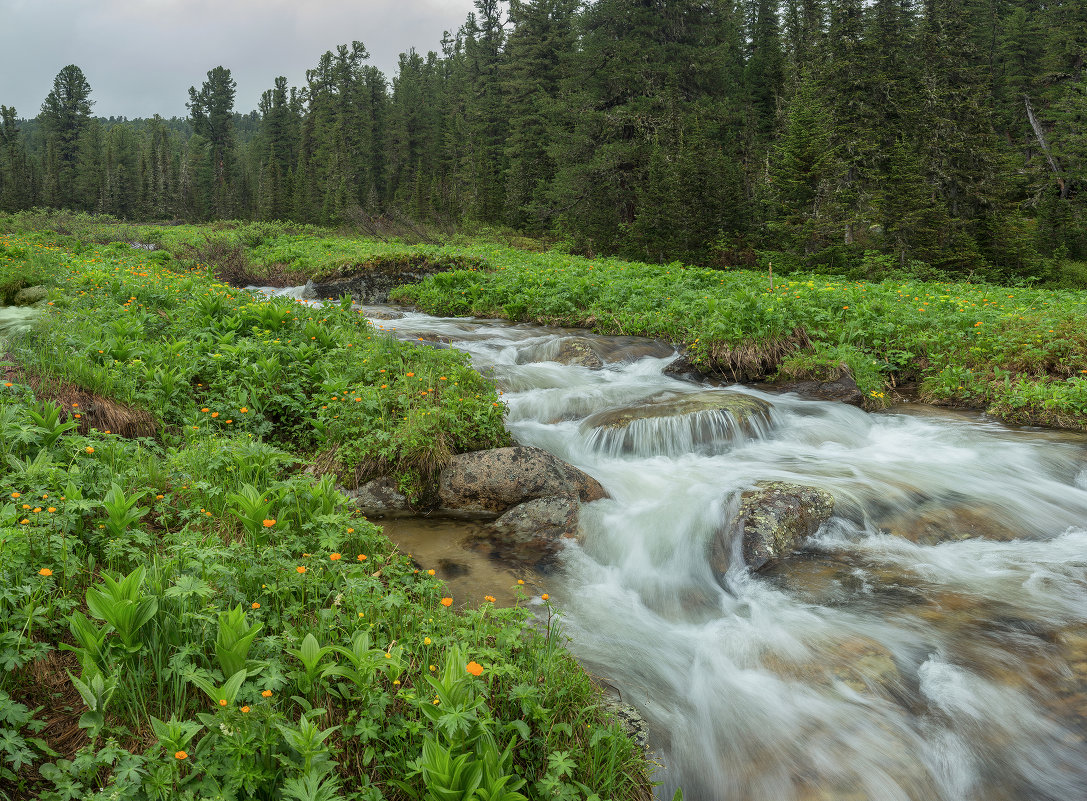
(929, 645)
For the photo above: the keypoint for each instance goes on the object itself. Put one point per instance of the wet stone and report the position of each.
(487, 483)
(773, 520)
(862, 664)
(531, 533)
(578, 352)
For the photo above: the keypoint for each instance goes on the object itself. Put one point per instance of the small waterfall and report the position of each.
(704, 423)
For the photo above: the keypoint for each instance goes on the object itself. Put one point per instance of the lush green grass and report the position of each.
(191, 615)
(1019, 352)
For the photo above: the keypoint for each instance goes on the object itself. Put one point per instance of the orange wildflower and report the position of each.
(475, 668)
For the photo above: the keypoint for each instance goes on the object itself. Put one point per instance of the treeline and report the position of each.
(946, 132)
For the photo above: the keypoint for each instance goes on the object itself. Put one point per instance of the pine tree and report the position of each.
(538, 52)
(485, 114)
(64, 114)
(16, 180)
(211, 111)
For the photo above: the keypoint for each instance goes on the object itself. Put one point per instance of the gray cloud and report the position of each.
(141, 56)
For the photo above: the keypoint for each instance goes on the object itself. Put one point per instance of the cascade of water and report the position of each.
(931, 643)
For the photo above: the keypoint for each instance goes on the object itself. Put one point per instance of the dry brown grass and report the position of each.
(230, 264)
(88, 409)
(752, 361)
(48, 686)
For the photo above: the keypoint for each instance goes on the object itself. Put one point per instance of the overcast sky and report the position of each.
(141, 56)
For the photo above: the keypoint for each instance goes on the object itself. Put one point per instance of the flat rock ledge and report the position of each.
(773, 520)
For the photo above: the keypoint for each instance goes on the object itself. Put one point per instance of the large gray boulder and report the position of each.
(488, 483)
(773, 520)
(532, 532)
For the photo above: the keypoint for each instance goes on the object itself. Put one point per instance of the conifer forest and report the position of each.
(934, 137)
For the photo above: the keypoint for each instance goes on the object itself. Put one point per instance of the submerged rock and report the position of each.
(950, 523)
(774, 519)
(531, 533)
(842, 389)
(678, 423)
(860, 663)
(488, 483)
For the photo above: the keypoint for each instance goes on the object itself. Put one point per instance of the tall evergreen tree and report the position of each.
(16, 177)
(211, 111)
(64, 114)
(538, 53)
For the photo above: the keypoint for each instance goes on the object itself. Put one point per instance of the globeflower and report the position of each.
(475, 668)
(447, 601)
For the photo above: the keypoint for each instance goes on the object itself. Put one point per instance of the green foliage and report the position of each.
(239, 615)
(961, 340)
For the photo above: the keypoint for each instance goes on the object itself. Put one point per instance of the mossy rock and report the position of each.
(30, 295)
(773, 520)
(578, 352)
(742, 408)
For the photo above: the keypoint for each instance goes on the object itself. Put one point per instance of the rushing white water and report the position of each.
(869, 667)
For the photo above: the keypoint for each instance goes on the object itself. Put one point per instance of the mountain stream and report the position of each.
(929, 644)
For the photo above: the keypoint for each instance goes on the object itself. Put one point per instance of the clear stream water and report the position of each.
(881, 664)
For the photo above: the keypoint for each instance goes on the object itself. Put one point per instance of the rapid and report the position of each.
(930, 642)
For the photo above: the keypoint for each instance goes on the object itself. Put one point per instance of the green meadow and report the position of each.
(189, 609)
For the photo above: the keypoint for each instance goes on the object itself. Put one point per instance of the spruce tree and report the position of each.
(211, 111)
(64, 114)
